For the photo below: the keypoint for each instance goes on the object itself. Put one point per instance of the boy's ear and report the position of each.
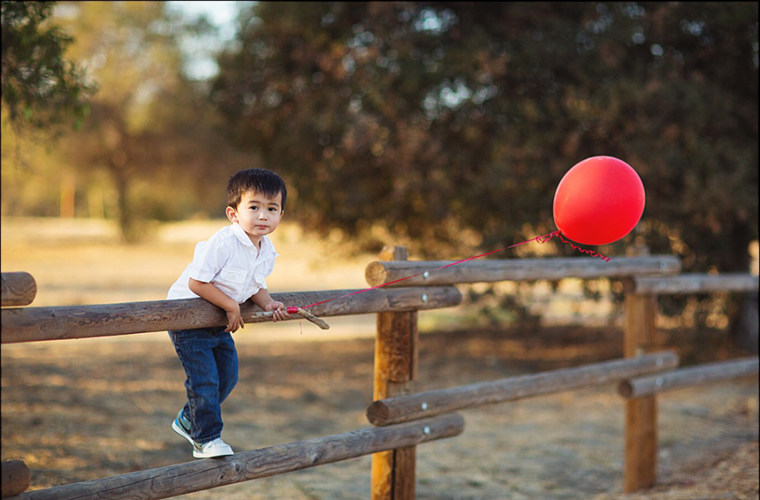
(231, 214)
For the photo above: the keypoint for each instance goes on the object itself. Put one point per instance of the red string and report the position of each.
(539, 239)
(579, 249)
(558, 234)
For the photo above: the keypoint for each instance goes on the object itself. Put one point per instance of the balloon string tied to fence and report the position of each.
(539, 239)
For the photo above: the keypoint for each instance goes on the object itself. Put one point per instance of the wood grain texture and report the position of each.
(198, 475)
(396, 354)
(485, 271)
(70, 322)
(695, 283)
(18, 289)
(640, 462)
(425, 404)
(687, 377)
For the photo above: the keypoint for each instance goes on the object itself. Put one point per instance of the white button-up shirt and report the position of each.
(231, 262)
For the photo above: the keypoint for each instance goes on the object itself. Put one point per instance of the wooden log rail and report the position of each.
(687, 377)
(693, 283)
(175, 480)
(416, 273)
(425, 404)
(18, 289)
(70, 322)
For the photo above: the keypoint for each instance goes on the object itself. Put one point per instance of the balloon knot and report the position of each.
(546, 237)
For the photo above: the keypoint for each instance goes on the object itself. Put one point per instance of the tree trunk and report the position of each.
(120, 176)
(745, 327)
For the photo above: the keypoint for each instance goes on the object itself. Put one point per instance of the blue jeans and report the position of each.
(210, 360)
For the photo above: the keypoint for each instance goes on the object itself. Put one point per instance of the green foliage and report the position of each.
(40, 88)
(426, 118)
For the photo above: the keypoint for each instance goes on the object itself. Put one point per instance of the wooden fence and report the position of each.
(640, 328)
(402, 419)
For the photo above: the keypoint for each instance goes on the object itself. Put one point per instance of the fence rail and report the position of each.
(694, 283)
(70, 322)
(435, 402)
(420, 273)
(174, 480)
(687, 377)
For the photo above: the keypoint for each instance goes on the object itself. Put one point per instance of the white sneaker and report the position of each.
(215, 448)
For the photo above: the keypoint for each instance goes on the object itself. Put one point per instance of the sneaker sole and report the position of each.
(196, 451)
(198, 454)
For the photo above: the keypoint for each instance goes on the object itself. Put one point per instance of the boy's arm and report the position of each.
(211, 293)
(267, 303)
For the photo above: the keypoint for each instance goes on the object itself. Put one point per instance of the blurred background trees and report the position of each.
(150, 143)
(151, 133)
(432, 119)
(443, 126)
(40, 87)
(42, 93)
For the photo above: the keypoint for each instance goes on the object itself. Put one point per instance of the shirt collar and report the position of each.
(267, 248)
(240, 234)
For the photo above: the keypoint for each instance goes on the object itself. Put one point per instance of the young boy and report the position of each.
(226, 270)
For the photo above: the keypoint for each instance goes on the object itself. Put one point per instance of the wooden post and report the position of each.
(640, 469)
(16, 477)
(393, 471)
(18, 289)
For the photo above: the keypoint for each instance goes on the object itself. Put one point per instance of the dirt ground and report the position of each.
(85, 409)
(80, 410)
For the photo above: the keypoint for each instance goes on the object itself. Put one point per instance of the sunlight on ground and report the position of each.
(81, 261)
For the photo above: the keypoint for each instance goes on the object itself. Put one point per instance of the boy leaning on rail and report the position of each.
(227, 270)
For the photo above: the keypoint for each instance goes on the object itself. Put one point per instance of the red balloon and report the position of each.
(599, 201)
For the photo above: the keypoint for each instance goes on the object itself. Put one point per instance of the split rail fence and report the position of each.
(401, 418)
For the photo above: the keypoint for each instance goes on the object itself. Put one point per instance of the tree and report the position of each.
(40, 87)
(426, 118)
(151, 129)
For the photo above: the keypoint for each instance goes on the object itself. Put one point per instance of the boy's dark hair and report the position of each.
(255, 179)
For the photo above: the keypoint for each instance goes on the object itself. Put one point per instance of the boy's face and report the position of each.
(257, 214)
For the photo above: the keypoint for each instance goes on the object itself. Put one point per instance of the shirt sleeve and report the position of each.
(208, 260)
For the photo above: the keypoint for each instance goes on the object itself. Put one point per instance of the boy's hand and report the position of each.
(279, 310)
(211, 293)
(234, 319)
